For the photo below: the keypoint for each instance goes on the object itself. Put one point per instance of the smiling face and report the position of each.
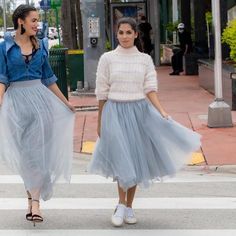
(30, 23)
(126, 35)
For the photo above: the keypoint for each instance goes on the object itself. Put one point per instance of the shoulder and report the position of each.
(146, 59)
(106, 57)
(3, 46)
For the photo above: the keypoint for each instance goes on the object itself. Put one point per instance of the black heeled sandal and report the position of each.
(36, 218)
(28, 216)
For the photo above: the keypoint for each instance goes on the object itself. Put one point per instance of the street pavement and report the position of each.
(199, 201)
(195, 202)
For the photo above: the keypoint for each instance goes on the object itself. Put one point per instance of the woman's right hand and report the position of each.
(99, 130)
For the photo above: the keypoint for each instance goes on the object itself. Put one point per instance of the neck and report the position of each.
(22, 37)
(132, 49)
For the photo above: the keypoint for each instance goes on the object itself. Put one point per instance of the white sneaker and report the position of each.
(117, 218)
(130, 216)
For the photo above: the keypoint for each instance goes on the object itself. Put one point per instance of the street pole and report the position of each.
(4, 16)
(27, 2)
(175, 18)
(219, 113)
(155, 22)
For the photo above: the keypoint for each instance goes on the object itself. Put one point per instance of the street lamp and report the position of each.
(219, 112)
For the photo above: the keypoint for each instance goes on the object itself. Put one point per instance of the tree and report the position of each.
(71, 24)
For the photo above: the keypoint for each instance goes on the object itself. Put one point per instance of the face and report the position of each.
(126, 36)
(30, 23)
(181, 30)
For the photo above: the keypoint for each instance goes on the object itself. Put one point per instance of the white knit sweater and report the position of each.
(125, 75)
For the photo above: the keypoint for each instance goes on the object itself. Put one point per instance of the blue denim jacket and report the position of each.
(14, 68)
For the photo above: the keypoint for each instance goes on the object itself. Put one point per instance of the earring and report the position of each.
(22, 29)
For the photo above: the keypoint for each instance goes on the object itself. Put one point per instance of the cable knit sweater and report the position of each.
(125, 75)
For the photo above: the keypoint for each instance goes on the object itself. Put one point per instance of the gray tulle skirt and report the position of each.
(36, 136)
(137, 145)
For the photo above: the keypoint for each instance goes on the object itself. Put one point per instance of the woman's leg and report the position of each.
(130, 196)
(122, 195)
(35, 194)
(129, 215)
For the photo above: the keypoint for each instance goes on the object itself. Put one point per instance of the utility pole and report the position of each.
(93, 14)
(4, 16)
(219, 112)
(27, 2)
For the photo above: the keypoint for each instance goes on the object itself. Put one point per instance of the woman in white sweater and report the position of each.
(138, 142)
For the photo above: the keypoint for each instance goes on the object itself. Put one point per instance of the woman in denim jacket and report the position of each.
(33, 113)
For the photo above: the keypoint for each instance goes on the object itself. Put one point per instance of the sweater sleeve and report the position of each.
(102, 79)
(150, 81)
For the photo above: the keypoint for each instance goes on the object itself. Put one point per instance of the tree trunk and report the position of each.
(73, 24)
(79, 25)
(68, 24)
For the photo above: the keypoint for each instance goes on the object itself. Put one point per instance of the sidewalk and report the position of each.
(186, 102)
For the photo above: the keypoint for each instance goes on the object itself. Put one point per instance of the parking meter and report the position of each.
(93, 30)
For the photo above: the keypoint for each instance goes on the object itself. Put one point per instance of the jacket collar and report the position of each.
(9, 39)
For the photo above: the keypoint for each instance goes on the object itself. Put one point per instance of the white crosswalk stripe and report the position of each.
(118, 232)
(109, 203)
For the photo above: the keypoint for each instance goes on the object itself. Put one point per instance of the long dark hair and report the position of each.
(132, 22)
(22, 12)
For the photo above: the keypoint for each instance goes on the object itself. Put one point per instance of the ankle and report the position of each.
(122, 202)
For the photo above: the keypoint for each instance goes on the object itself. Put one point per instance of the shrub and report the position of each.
(229, 37)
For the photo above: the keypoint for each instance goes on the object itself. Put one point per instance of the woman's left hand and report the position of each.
(72, 108)
(165, 115)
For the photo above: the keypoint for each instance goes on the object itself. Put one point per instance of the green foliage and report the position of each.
(1, 22)
(57, 46)
(208, 17)
(171, 26)
(108, 45)
(229, 37)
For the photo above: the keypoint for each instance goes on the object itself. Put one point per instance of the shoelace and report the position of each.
(119, 212)
(129, 213)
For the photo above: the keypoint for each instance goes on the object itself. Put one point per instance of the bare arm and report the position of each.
(54, 88)
(2, 91)
(100, 107)
(152, 96)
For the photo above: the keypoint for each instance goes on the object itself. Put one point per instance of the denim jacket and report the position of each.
(14, 68)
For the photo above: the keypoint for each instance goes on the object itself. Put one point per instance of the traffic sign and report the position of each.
(45, 4)
(55, 3)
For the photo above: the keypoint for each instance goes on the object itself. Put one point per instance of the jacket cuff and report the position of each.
(47, 82)
(4, 79)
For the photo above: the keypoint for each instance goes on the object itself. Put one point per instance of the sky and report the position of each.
(18, 2)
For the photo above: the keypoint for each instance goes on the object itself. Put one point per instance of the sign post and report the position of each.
(55, 4)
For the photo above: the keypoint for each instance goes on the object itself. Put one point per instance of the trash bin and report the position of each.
(191, 64)
(75, 66)
(57, 59)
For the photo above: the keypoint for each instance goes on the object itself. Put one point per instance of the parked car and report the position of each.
(52, 33)
(1, 36)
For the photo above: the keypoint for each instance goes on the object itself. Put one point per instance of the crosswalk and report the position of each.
(192, 203)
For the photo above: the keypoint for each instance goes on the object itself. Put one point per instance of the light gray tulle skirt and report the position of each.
(137, 145)
(36, 136)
